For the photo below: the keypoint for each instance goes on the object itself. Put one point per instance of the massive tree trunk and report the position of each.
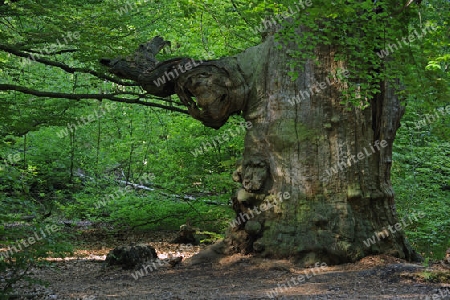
(317, 172)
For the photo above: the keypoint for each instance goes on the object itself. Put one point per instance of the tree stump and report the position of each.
(186, 235)
(131, 257)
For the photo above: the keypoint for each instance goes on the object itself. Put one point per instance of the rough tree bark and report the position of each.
(316, 214)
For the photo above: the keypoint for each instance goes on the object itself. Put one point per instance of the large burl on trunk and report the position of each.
(320, 172)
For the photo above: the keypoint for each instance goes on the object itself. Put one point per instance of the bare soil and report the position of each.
(84, 276)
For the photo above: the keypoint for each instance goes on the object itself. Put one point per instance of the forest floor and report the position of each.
(237, 277)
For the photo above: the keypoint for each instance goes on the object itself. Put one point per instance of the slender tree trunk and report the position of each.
(130, 156)
(72, 153)
(97, 150)
(25, 151)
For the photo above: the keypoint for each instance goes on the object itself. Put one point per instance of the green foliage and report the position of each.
(376, 41)
(436, 276)
(421, 168)
(26, 194)
(29, 243)
(208, 237)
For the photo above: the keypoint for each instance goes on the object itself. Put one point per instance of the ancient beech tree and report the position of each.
(320, 171)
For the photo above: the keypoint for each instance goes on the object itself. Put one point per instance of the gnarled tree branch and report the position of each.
(112, 97)
(218, 86)
(62, 66)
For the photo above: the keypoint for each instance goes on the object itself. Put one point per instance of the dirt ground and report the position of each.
(84, 276)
